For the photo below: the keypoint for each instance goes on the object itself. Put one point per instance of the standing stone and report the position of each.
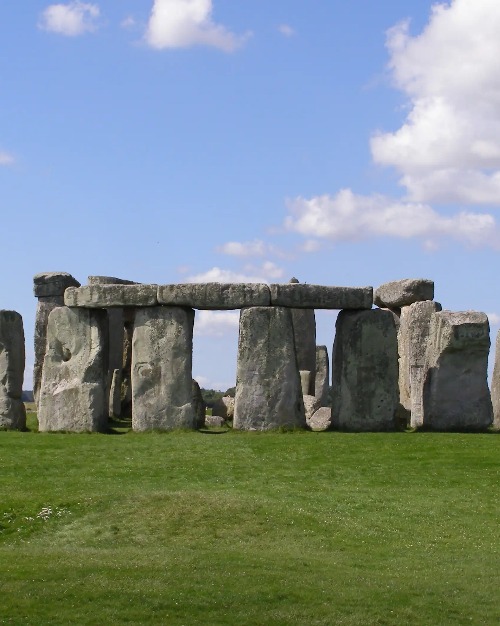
(365, 371)
(115, 394)
(126, 395)
(305, 381)
(162, 387)
(12, 411)
(304, 333)
(199, 406)
(413, 335)
(49, 288)
(73, 390)
(495, 385)
(456, 394)
(268, 391)
(224, 407)
(322, 375)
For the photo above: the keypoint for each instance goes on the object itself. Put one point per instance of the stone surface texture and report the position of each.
(399, 293)
(108, 280)
(322, 378)
(215, 420)
(321, 419)
(305, 379)
(215, 296)
(224, 407)
(49, 284)
(413, 336)
(456, 395)
(43, 309)
(106, 296)
(12, 411)
(365, 371)
(73, 390)
(304, 334)
(162, 382)
(303, 296)
(268, 390)
(199, 406)
(495, 385)
(115, 403)
(311, 405)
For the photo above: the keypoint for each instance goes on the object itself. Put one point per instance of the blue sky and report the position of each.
(344, 143)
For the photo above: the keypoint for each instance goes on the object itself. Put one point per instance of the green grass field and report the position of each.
(249, 529)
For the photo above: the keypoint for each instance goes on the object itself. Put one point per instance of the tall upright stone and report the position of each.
(12, 411)
(413, 336)
(365, 371)
(456, 395)
(73, 389)
(495, 385)
(304, 333)
(162, 350)
(49, 288)
(268, 390)
(322, 375)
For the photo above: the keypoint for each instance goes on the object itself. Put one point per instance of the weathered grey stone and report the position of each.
(162, 387)
(106, 296)
(43, 309)
(322, 375)
(12, 411)
(305, 380)
(73, 390)
(224, 407)
(49, 284)
(128, 319)
(399, 293)
(311, 405)
(115, 403)
(321, 419)
(303, 296)
(215, 420)
(199, 406)
(456, 394)
(108, 280)
(304, 333)
(365, 371)
(268, 391)
(215, 296)
(495, 385)
(413, 337)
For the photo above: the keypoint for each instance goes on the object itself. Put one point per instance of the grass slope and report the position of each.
(249, 529)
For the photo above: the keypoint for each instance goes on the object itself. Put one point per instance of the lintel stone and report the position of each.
(49, 284)
(303, 296)
(106, 296)
(108, 280)
(399, 293)
(215, 296)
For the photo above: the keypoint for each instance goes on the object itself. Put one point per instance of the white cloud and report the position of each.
(494, 319)
(350, 217)
(265, 273)
(448, 149)
(72, 19)
(185, 23)
(245, 248)
(286, 30)
(6, 158)
(128, 22)
(216, 323)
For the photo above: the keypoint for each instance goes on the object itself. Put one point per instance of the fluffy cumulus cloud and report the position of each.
(185, 23)
(216, 323)
(448, 149)
(71, 19)
(264, 273)
(350, 217)
(243, 248)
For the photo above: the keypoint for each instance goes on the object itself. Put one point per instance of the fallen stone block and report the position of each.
(320, 419)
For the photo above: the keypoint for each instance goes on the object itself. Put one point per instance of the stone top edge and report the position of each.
(109, 280)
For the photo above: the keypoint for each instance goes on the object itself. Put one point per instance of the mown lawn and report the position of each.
(249, 529)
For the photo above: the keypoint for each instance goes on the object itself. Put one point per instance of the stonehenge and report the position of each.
(114, 347)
